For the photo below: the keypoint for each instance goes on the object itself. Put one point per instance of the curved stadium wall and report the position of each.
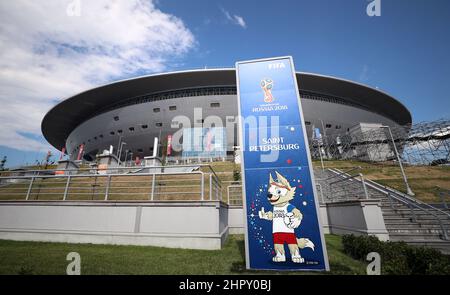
(137, 110)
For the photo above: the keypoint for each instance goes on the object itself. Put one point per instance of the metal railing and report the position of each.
(215, 188)
(320, 191)
(199, 159)
(408, 198)
(348, 188)
(234, 192)
(341, 186)
(151, 183)
(110, 170)
(411, 203)
(393, 197)
(337, 173)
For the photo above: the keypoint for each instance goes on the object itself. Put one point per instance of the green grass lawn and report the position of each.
(50, 258)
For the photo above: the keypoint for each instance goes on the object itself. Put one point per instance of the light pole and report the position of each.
(408, 188)
(118, 145)
(126, 156)
(120, 150)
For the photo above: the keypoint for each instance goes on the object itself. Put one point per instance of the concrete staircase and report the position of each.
(405, 222)
(413, 226)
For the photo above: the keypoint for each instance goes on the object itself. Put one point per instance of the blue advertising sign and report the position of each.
(283, 227)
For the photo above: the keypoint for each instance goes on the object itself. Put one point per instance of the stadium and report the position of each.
(125, 202)
(137, 110)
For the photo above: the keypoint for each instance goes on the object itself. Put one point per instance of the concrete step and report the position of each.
(431, 217)
(415, 226)
(417, 211)
(411, 225)
(410, 237)
(387, 203)
(421, 222)
(426, 219)
(396, 218)
(395, 207)
(400, 222)
(413, 230)
(441, 245)
(433, 221)
(418, 215)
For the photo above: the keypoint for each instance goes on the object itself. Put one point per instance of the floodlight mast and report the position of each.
(120, 151)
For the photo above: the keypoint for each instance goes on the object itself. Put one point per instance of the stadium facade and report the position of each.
(137, 110)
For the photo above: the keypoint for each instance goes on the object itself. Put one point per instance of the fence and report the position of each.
(344, 188)
(192, 160)
(234, 192)
(341, 186)
(149, 183)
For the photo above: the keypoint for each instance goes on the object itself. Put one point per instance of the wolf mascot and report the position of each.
(285, 219)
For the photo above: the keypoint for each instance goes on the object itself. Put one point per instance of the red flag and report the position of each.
(63, 151)
(80, 152)
(169, 145)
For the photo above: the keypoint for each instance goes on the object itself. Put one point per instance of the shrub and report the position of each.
(397, 257)
(236, 175)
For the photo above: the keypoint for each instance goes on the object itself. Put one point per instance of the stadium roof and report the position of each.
(63, 118)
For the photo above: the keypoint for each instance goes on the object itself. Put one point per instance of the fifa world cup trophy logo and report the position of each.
(267, 85)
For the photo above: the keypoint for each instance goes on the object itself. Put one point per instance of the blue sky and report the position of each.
(403, 52)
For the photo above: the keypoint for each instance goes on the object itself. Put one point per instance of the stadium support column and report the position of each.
(408, 189)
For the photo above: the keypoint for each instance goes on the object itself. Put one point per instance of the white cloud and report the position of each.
(47, 55)
(235, 19)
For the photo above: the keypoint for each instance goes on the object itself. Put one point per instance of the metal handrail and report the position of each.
(321, 192)
(96, 169)
(48, 174)
(106, 186)
(339, 173)
(409, 204)
(228, 190)
(413, 200)
(345, 178)
(407, 200)
(98, 175)
(404, 195)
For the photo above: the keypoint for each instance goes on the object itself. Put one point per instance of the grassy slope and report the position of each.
(50, 258)
(422, 179)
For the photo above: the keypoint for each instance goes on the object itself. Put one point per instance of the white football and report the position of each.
(290, 220)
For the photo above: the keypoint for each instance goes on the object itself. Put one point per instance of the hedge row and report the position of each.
(398, 258)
